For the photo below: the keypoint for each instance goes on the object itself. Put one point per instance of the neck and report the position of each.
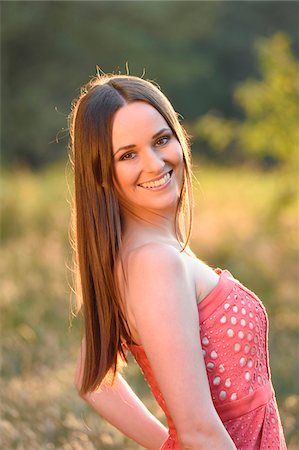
(149, 224)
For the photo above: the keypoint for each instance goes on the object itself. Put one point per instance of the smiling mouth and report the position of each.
(157, 183)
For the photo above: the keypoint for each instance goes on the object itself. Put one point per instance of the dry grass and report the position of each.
(240, 225)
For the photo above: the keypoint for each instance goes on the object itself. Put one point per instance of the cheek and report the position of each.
(178, 162)
(116, 176)
(178, 158)
(118, 180)
(177, 152)
(123, 179)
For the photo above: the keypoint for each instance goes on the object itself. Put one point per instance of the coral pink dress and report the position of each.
(234, 338)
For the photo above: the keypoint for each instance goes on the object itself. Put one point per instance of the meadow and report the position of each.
(245, 221)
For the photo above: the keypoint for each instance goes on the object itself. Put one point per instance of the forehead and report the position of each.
(134, 122)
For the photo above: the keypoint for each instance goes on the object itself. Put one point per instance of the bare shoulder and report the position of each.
(161, 298)
(156, 258)
(156, 283)
(158, 277)
(164, 264)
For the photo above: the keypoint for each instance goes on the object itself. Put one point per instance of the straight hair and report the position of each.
(96, 223)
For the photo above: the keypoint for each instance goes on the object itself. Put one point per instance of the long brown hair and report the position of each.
(96, 212)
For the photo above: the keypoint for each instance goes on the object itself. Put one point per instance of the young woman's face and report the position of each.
(148, 158)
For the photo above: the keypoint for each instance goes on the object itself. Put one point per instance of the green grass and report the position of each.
(245, 221)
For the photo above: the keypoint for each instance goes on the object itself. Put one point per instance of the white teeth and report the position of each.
(157, 183)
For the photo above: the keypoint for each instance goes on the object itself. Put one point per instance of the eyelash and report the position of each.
(123, 157)
(164, 137)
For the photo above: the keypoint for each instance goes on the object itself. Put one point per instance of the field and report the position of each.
(245, 221)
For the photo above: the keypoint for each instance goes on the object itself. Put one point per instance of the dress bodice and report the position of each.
(234, 339)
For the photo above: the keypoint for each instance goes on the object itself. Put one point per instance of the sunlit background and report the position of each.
(231, 71)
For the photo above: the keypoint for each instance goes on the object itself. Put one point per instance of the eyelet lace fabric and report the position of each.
(234, 339)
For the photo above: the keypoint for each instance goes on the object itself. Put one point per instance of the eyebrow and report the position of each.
(130, 146)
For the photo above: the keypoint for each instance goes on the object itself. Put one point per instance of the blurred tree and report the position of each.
(197, 51)
(270, 128)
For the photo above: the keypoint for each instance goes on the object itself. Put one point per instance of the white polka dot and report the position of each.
(259, 379)
(247, 376)
(250, 363)
(221, 368)
(241, 334)
(233, 320)
(235, 309)
(242, 361)
(213, 354)
(246, 348)
(250, 390)
(204, 353)
(243, 322)
(226, 306)
(237, 347)
(210, 366)
(223, 319)
(249, 336)
(250, 315)
(222, 395)
(233, 396)
(216, 381)
(243, 310)
(250, 325)
(272, 420)
(228, 382)
(205, 341)
(230, 332)
(253, 350)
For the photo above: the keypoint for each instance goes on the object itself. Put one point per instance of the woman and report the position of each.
(199, 336)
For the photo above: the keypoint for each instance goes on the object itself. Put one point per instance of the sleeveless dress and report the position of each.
(234, 338)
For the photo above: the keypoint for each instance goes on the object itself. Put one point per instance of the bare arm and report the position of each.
(121, 407)
(162, 300)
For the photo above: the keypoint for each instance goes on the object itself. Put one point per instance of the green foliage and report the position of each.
(196, 51)
(216, 130)
(270, 106)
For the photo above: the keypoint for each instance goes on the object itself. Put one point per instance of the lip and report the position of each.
(157, 178)
(163, 186)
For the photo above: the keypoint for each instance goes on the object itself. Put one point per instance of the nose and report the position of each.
(153, 161)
